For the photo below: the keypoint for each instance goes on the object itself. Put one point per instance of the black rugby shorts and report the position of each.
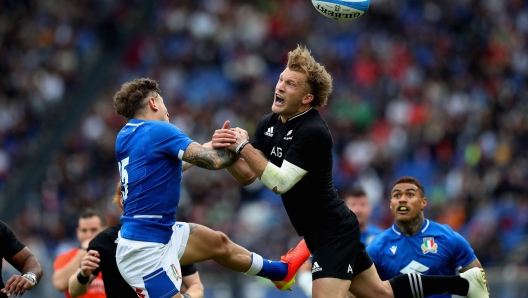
(343, 255)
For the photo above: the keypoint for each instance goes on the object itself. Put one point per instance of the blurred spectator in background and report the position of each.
(356, 199)
(18, 255)
(67, 264)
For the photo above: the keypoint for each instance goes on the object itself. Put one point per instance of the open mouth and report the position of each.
(278, 100)
(403, 209)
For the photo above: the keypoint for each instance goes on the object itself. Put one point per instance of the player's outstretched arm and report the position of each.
(211, 159)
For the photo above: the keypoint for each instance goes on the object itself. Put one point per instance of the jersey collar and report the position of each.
(135, 122)
(299, 115)
(424, 227)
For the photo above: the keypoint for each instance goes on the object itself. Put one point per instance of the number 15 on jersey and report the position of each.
(124, 177)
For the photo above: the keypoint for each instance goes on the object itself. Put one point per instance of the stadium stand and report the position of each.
(433, 89)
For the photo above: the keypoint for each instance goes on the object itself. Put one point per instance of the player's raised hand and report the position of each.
(90, 262)
(223, 137)
(241, 136)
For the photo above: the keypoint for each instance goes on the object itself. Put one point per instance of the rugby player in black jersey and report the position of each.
(291, 153)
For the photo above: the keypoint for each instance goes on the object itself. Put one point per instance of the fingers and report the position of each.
(223, 138)
(17, 285)
(226, 124)
(90, 262)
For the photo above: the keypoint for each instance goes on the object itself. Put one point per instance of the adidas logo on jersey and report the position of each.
(414, 267)
(269, 132)
(316, 267)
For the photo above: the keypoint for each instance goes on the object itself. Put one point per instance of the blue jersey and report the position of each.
(369, 234)
(149, 155)
(435, 250)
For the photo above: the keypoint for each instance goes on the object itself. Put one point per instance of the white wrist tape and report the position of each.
(280, 180)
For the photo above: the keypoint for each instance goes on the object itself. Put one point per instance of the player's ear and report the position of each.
(424, 202)
(152, 103)
(308, 98)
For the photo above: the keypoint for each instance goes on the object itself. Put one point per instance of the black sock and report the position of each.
(419, 286)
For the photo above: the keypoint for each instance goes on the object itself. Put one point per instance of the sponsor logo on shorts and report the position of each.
(350, 269)
(316, 267)
(175, 272)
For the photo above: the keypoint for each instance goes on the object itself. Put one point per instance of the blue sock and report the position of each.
(273, 270)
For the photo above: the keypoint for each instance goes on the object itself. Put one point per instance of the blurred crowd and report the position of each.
(433, 89)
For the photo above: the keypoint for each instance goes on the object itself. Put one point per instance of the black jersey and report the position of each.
(9, 247)
(115, 286)
(305, 141)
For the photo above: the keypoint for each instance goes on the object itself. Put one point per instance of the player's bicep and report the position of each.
(211, 159)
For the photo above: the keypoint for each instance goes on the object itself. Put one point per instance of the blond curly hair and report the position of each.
(319, 80)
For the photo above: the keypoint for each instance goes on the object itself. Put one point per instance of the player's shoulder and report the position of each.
(111, 232)
(4, 228)
(313, 124)
(440, 228)
(383, 237)
(155, 124)
(105, 237)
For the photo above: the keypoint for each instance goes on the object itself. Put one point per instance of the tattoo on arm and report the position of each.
(211, 159)
(186, 166)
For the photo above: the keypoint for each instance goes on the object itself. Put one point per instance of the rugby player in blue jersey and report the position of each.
(152, 246)
(415, 245)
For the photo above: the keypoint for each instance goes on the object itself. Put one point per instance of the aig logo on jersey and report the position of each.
(269, 132)
(429, 245)
(288, 135)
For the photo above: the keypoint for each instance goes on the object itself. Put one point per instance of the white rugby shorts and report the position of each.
(153, 269)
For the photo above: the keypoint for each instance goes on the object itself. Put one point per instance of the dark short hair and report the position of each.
(410, 180)
(89, 213)
(355, 192)
(131, 98)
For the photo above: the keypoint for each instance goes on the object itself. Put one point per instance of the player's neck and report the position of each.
(412, 227)
(303, 109)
